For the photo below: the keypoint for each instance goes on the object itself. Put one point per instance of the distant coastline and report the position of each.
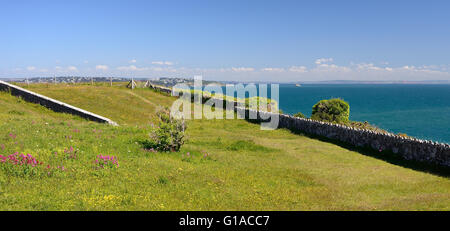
(170, 81)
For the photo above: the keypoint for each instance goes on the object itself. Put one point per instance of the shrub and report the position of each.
(332, 110)
(169, 135)
(402, 135)
(299, 115)
(365, 125)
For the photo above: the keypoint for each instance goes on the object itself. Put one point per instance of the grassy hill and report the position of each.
(246, 168)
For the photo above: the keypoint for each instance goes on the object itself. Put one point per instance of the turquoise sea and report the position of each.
(421, 111)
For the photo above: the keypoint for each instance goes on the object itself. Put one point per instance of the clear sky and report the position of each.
(227, 40)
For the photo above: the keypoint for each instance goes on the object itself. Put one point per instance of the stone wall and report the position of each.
(159, 88)
(52, 104)
(407, 147)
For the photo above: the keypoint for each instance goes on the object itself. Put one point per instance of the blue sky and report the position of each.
(227, 40)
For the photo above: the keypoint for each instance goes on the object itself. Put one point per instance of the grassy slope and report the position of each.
(248, 169)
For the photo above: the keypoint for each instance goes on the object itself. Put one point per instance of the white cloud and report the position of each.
(433, 67)
(408, 67)
(101, 67)
(273, 69)
(133, 61)
(162, 63)
(324, 67)
(367, 67)
(323, 71)
(72, 68)
(157, 68)
(323, 60)
(132, 68)
(242, 69)
(301, 69)
(319, 70)
(62, 70)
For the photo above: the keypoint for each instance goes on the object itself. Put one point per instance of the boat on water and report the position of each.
(298, 85)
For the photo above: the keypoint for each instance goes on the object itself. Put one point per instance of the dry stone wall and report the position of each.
(407, 147)
(162, 89)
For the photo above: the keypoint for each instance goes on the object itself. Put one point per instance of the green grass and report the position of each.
(246, 168)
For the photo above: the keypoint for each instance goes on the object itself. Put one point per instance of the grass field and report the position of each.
(246, 168)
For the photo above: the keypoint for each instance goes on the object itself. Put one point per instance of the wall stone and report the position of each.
(407, 147)
(159, 88)
(52, 104)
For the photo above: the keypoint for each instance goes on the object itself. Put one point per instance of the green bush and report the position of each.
(169, 135)
(332, 110)
(299, 115)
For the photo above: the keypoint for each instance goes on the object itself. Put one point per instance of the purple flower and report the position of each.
(103, 161)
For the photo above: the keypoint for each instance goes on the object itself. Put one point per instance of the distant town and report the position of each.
(67, 79)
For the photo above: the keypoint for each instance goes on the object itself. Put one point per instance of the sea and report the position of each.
(421, 110)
